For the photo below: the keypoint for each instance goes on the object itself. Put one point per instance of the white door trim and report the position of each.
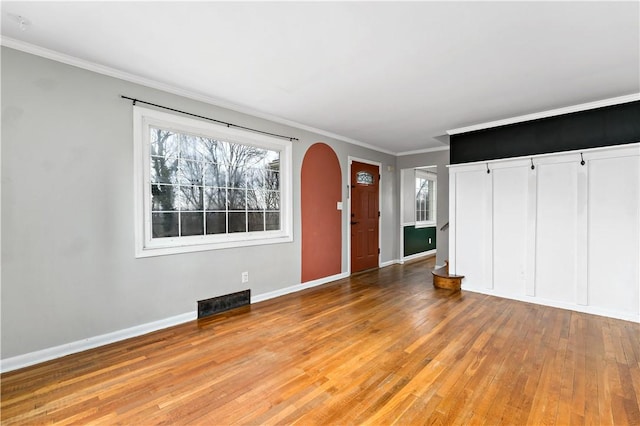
(350, 161)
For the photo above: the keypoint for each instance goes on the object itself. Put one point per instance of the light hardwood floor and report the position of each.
(378, 348)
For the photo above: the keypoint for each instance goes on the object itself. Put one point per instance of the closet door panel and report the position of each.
(614, 233)
(472, 191)
(556, 232)
(510, 186)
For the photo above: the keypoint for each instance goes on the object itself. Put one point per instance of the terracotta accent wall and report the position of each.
(321, 189)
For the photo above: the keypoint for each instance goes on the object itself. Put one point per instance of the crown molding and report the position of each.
(423, 151)
(132, 78)
(550, 113)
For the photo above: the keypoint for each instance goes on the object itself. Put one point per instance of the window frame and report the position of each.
(145, 244)
(419, 174)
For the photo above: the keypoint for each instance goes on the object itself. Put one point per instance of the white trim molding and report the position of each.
(593, 310)
(145, 119)
(36, 357)
(423, 151)
(550, 113)
(548, 157)
(39, 356)
(122, 75)
(350, 161)
(298, 287)
(427, 253)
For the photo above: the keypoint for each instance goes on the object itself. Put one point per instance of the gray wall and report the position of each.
(68, 265)
(440, 159)
(408, 195)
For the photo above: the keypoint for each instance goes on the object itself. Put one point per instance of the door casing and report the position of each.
(348, 177)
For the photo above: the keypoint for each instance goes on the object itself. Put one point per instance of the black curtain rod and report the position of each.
(210, 119)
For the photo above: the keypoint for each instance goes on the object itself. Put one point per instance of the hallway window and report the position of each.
(425, 198)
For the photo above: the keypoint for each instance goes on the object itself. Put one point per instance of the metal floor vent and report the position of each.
(223, 303)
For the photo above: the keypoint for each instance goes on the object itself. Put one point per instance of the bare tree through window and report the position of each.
(203, 186)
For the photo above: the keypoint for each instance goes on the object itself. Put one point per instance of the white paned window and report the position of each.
(426, 184)
(201, 186)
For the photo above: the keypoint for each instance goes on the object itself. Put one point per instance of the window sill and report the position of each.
(425, 224)
(163, 250)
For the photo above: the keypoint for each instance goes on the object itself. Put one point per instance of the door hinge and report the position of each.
(378, 213)
(378, 250)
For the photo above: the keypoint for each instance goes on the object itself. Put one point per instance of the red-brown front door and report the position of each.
(365, 216)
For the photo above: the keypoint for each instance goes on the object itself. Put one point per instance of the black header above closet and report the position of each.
(605, 126)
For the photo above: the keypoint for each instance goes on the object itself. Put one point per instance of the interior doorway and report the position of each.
(418, 212)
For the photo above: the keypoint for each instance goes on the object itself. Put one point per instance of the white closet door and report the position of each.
(556, 232)
(473, 231)
(510, 186)
(614, 233)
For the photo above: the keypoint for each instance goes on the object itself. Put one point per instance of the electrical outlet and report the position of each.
(245, 277)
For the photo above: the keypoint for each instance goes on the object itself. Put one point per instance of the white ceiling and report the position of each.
(395, 75)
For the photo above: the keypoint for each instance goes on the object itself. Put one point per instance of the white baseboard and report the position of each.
(48, 354)
(297, 287)
(419, 255)
(562, 305)
(36, 357)
(389, 263)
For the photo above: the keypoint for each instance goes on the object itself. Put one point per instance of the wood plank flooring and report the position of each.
(381, 347)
